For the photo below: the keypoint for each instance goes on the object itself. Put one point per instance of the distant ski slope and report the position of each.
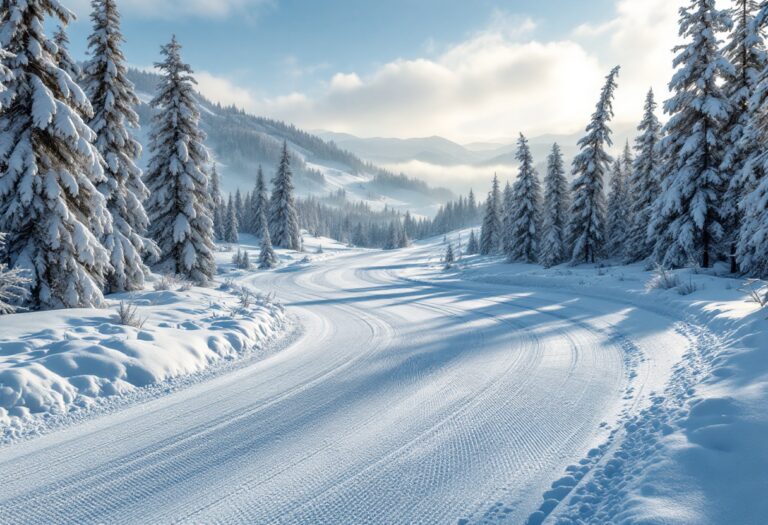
(402, 401)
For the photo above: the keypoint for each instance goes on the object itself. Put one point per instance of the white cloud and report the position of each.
(496, 83)
(500, 81)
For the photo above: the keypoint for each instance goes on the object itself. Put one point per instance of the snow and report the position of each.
(486, 393)
(693, 448)
(64, 361)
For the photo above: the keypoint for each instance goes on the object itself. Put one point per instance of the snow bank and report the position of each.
(57, 361)
(696, 452)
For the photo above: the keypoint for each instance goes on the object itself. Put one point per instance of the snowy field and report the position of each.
(488, 393)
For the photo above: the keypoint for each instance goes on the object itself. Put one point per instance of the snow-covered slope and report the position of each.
(241, 142)
(489, 393)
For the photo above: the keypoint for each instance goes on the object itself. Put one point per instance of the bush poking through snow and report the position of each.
(166, 282)
(662, 279)
(128, 315)
(687, 288)
(757, 290)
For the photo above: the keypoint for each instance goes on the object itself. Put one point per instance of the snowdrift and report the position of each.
(57, 361)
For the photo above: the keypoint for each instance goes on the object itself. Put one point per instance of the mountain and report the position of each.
(241, 142)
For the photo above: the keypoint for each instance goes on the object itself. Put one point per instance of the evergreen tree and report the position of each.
(687, 214)
(358, 236)
(507, 221)
(259, 204)
(239, 208)
(449, 258)
(267, 257)
(752, 181)
(746, 52)
(231, 226)
(586, 235)
(113, 99)
(490, 233)
(179, 202)
(616, 220)
(63, 58)
(393, 237)
(555, 213)
(524, 211)
(217, 205)
(12, 285)
(643, 187)
(50, 207)
(283, 221)
(473, 247)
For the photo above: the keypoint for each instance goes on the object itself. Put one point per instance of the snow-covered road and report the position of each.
(401, 401)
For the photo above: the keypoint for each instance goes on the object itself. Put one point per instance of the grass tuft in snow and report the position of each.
(127, 315)
(662, 279)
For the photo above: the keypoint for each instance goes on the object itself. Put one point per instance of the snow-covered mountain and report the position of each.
(241, 142)
(461, 167)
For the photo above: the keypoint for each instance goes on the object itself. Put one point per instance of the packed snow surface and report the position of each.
(484, 393)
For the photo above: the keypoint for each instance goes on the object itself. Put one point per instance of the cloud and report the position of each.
(500, 81)
(494, 84)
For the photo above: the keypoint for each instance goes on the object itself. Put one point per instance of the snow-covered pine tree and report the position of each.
(449, 258)
(231, 226)
(555, 212)
(259, 204)
(473, 247)
(586, 235)
(283, 221)
(113, 99)
(180, 200)
(616, 217)
(687, 215)
(752, 181)
(239, 208)
(643, 184)
(12, 285)
(490, 232)
(63, 58)
(358, 236)
(217, 205)
(50, 207)
(507, 235)
(267, 257)
(746, 52)
(525, 212)
(393, 237)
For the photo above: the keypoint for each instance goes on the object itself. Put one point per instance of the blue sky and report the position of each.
(405, 68)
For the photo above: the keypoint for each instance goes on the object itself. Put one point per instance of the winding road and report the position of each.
(400, 401)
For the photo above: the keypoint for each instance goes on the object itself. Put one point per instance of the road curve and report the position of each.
(400, 402)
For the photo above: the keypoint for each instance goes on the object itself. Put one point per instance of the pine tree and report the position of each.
(586, 235)
(687, 214)
(63, 58)
(490, 233)
(746, 52)
(555, 212)
(239, 208)
(259, 204)
(113, 99)
(12, 285)
(643, 184)
(217, 205)
(616, 219)
(507, 235)
(179, 203)
(283, 221)
(524, 212)
(358, 236)
(231, 226)
(50, 207)
(449, 258)
(267, 257)
(473, 247)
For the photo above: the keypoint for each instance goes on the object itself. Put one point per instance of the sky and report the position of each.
(471, 71)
